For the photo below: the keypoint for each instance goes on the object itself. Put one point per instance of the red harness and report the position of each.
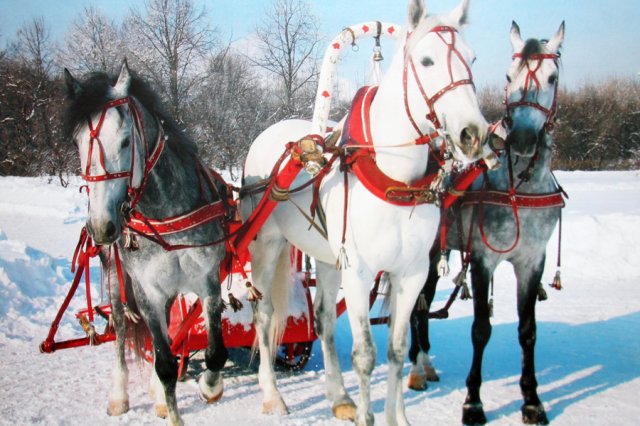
(431, 101)
(135, 221)
(357, 134)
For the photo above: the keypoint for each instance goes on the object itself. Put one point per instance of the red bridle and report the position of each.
(532, 79)
(137, 137)
(431, 101)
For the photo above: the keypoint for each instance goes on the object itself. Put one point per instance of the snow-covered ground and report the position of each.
(588, 352)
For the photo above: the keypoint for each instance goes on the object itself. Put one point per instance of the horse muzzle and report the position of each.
(523, 141)
(471, 144)
(104, 232)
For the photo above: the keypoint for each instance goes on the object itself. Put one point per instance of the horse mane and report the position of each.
(531, 47)
(96, 91)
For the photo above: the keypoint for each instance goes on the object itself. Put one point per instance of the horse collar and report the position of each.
(358, 143)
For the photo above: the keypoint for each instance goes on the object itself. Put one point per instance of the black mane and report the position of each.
(94, 94)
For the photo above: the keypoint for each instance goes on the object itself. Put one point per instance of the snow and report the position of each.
(588, 351)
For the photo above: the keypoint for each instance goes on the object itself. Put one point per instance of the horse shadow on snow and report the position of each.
(574, 361)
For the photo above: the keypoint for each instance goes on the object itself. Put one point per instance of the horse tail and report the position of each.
(384, 289)
(282, 284)
(137, 335)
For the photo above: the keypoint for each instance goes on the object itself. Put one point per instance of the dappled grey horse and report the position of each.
(490, 226)
(140, 171)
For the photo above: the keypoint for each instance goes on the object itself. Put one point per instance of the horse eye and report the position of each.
(552, 79)
(426, 61)
(508, 78)
(126, 142)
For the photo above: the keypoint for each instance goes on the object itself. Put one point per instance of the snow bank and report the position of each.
(588, 357)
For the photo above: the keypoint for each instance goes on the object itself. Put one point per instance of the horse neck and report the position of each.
(173, 184)
(390, 126)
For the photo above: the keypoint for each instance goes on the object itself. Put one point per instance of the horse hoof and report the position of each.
(275, 406)
(473, 414)
(117, 408)
(211, 399)
(162, 411)
(345, 411)
(432, 375)
(534, 415)
(210, 394)
(418, 382)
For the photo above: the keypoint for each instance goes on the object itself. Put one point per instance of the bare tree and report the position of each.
(289, 49)
(170, 42)
(227, 112)
(34, 48)
(92, 44)
(30, 107)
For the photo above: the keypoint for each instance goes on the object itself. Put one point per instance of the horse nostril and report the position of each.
(110, 230)
(469, 135)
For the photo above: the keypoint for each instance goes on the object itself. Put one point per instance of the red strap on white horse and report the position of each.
(430, 101)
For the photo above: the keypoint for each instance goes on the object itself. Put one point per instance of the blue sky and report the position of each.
(602, 37)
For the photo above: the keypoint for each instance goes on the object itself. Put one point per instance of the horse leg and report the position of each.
(216, 354)
(472, 411)
(328, 279)
(118, 396)
(404, 292)
(165, 364)
(528, 280)
(421, 368)
(363, 354)
(265, 258)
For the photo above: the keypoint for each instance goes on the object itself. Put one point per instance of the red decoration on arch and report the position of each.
(365, 28)
(325, 94)
(391, 29)
(336, 45)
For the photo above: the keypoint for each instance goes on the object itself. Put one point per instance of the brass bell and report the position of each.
(377, 55)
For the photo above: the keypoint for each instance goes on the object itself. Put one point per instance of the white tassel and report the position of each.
(443, 267)
(557, 284)
(461, 281)
(130, 315)
(343, 261)
(254, 294)
(89, 329)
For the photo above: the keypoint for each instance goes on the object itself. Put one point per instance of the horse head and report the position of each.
(438, 83)
(103, 121)
(532, 87)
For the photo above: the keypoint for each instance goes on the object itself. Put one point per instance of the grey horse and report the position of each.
(490, 228)
(139, 165)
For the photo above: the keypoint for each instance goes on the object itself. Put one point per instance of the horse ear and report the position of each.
(556, 42)
(72, 85)
(415, 12)
(121, 88)
(461, 13)
(516, 39)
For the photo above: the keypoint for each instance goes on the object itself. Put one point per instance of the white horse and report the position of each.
(426, 97)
